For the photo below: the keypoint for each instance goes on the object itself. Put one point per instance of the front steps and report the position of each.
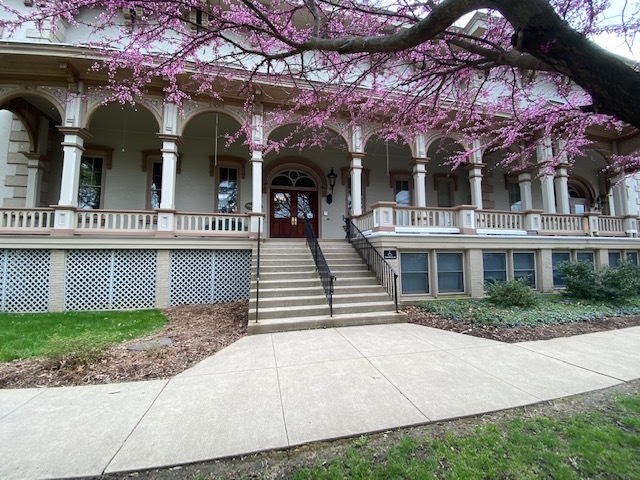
(292, 298)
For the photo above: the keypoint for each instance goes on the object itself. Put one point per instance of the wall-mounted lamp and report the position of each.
(332, 183)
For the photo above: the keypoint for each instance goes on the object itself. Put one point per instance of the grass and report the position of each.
(598, 444)
(551, 309)
(35, 335)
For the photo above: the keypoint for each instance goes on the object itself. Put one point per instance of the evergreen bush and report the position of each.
(512, 293)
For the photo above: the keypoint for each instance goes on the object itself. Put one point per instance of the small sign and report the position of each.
(390, 254)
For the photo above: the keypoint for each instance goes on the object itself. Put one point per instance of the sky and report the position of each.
(618, 44)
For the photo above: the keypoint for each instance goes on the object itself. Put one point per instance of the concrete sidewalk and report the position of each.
(278, 390)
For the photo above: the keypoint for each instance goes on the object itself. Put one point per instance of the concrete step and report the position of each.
(285, 291)
(322, 321)
(290, 301)
(283, 283)
(291, 277)
(287, 312)
(339, 288)
(363, 307)
(345, 298)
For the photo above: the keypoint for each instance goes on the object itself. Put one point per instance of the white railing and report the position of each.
(498, 220)
(115, 221)
(211, 224)
(425, 217)
(26, 220)
(611, 226)
(561, 224)
(364, 222)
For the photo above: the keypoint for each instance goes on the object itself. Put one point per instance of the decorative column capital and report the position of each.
(82, 133)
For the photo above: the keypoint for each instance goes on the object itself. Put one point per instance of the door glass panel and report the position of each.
(305, 205)
(282, 205)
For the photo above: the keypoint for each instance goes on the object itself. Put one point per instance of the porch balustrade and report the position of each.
(387, 217)
(425, 217)
(26, 220)
(40, 221)
(211, 224)
(499, 220)
(560, 224)
(115, 221)
(611, 226)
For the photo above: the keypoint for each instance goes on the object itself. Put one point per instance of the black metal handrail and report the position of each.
(385, 273)
(324, 272)
(258, 273)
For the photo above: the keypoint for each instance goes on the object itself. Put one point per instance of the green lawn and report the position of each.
(30, 335)
(587, 445)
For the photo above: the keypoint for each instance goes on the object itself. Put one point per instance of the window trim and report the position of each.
(225, 161)
(462, 271)
(440, 179)
(88, 154)
(401, 175)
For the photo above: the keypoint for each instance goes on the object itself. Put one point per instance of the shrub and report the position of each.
(72, 352)
(610, 284)
(512, 293)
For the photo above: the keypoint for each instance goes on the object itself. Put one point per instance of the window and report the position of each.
(450, 273)
(227, 190)
(90, 182)
(632, 258)
(402, 193)
(155, 184)
(585, 257)
(445, 186)
(415, 272)
(524, 266)
(495, 266)
(614, 259)
(515, 201)
(556, 259)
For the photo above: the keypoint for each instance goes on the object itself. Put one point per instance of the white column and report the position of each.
(475, 183)
(167, 210)
(256, 181)
(631, 185)
(170, 145)
(562, 189)
(72, 146)
(34, 179)
(356, 184)
(544, 153)
(524, 181)
(419, 168)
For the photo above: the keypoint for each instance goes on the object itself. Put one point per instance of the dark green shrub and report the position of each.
(580, 280)
(512, 293)
(608, 284)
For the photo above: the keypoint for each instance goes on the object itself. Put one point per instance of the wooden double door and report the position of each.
(289, 207)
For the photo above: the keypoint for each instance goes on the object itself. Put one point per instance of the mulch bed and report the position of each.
(520, 334)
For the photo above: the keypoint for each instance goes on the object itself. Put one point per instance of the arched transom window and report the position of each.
(293, 178)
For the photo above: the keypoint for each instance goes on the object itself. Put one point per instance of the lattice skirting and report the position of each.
(24, 280)
(110, 279)
(32, 280)
(209, 276)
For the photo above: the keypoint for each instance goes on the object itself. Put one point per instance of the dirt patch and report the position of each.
(520, 334)
(196, 332)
